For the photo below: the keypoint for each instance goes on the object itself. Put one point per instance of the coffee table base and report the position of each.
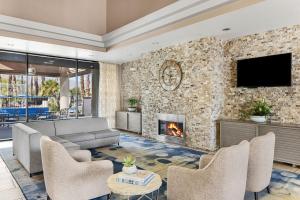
(156, 197)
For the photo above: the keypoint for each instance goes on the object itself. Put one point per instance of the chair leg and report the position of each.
(268, 189)
(108, 197)
(255, 195)
(48, 198)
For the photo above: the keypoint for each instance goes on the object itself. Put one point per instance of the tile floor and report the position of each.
(9, 189)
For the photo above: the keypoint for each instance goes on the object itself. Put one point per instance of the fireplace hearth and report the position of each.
(171, 127)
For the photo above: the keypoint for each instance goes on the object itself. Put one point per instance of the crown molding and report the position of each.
(170, 14)
(28, 27)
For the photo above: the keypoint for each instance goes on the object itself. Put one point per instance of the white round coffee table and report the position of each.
(129, 190)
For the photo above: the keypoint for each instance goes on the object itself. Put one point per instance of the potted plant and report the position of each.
(132, 104)
(129, 165)
(258, 111)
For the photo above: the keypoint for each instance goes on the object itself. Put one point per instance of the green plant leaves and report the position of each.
(129, 161)
(132, 102)
(256, 108)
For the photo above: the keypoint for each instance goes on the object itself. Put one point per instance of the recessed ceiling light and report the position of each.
(226, 29)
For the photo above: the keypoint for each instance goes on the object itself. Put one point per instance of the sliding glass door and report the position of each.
(13, 70)
(36, 87)
(87, 88)
(12, 87)
(50, 84)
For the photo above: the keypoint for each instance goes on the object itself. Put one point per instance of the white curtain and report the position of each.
(109, 92)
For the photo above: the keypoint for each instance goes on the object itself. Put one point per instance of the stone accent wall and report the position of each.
(208, 90)
(285, 100)
(198, 96)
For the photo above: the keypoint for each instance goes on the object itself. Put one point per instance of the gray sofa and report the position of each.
(73, 134)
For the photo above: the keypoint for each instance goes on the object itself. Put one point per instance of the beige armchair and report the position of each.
(260, 163)
(223, 178)
(66, 178)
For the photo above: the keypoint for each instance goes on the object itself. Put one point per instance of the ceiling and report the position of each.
(158, 29)
(257, 18)
(122, 12)
(93, 16)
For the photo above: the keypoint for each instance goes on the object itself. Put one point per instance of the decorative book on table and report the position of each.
(142, 177)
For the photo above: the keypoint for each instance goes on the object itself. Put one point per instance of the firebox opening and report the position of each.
(171, 128)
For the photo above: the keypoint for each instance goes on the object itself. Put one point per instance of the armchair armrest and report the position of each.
(81, 155)
(25, 129)
(96, 172)
(101, 166)
(184, 183)
(180, 182)
(96, 168)
(204, 160)
(26, 147)
(86, 179)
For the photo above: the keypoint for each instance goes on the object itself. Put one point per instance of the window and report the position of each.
(35, 87)
(87, 86)
(12, 87)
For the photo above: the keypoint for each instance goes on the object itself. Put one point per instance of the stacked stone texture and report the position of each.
(208, 89)
(285, 100)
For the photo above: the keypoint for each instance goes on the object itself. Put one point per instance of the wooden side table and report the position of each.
(130, 190)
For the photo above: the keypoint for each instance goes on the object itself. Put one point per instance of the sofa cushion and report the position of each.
(78, 137)
(44, 127)
(69, 146)
(106, 133)
(83, 125)
(58, 139)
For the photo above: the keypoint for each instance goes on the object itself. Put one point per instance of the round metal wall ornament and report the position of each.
(170, 75)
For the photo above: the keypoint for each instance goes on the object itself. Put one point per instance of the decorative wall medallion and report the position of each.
(170, 75)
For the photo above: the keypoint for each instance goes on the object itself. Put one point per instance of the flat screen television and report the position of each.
(268, 71)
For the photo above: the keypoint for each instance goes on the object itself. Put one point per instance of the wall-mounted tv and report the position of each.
(268, 71)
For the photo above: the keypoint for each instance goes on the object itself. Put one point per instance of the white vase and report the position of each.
(131, 109)
(129, 170)
(258, 119)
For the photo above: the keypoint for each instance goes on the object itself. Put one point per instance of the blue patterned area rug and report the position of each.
(154, 156)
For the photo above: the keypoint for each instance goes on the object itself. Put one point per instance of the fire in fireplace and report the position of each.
(171, 128)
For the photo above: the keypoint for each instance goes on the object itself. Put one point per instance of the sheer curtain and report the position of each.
(109, 92)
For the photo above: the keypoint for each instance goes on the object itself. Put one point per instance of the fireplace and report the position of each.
(171, 127)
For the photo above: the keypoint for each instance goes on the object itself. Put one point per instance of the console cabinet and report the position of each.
(121, 120)
(287, 145)
(129, 121)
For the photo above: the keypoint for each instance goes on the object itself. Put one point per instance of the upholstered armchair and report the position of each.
(223, 177)
(260, 163)
(66, 178)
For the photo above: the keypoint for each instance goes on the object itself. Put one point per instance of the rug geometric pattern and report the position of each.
(154, 156)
